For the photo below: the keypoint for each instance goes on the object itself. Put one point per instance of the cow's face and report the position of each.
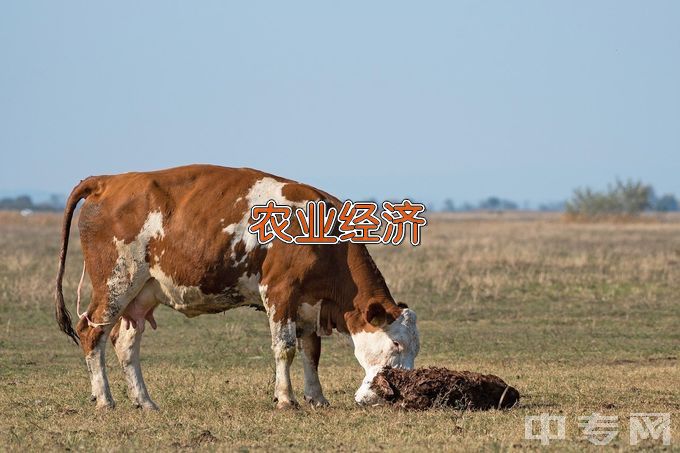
(394, 344)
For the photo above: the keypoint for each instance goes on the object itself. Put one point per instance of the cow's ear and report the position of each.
(402, 305)
(375, 314)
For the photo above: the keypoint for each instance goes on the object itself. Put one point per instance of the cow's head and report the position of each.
(384, 339)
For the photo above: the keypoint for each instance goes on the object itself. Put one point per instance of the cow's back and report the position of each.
(192, 222)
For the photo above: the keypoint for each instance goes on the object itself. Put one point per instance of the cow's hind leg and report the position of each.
(93, 331)
(310, 347)
(118, 271)
(127, 340)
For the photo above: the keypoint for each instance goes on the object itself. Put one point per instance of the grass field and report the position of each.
(581, 318)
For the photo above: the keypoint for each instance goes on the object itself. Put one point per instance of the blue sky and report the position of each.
(430, 100)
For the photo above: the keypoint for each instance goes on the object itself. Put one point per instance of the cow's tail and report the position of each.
(81, 191)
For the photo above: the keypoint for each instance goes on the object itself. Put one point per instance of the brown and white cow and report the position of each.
(179, 237)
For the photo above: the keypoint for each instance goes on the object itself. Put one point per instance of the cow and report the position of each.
(179, 237)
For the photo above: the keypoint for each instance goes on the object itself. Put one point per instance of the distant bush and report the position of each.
(666, 203)
(628, 198)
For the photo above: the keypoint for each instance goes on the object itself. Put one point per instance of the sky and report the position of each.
(526, 100)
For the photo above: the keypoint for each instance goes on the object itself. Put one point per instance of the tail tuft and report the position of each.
(64, 318)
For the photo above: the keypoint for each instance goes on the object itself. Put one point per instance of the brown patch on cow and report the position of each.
(435, 387)
(89, 336)
(330, 317)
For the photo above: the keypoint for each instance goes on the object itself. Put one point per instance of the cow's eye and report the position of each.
(396, 344)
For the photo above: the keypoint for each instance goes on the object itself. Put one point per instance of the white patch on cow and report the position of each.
(191, 301)
(263, 296)
(374, 349)
(260, 193)
(377, 349)
(178, 296)
(249, 287)
(365, 394)
(131, 269)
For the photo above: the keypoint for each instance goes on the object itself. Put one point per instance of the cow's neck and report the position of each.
(350, 299)
(369, 282)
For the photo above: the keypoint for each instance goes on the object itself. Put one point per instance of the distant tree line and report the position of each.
(627, 198)
(24, 202)
(488, 204)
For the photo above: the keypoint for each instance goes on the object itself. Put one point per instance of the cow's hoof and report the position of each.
(146, 405)
(105, 405)
(317, 401)
(287, 405)
(93, 399)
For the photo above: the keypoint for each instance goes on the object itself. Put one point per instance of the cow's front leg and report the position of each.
(283, 345)
(310, 347)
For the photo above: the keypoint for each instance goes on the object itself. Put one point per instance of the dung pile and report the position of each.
(434, 387)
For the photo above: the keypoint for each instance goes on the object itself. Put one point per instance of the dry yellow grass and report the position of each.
(579, 317)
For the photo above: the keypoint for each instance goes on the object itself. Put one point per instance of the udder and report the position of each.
(141, 308)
